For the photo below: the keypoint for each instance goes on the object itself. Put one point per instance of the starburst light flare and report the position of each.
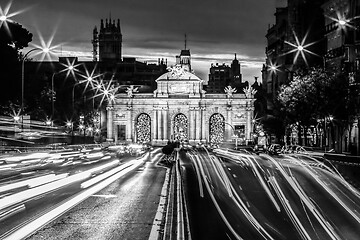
(48, 50)
(5, 16)
(300, 48)
(90, 78)
(343, 22)
(70, 67)
(107, 92)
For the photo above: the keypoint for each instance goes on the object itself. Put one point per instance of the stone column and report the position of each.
(230, 128)
(191, 124)
(159, 125)
(155, 125)
(197, 124)
(203, 127)
(130, 126)
(110, 123)
(165, 123)
(249, 112)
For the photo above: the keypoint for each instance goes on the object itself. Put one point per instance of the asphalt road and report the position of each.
(237, 196)
(122, 205)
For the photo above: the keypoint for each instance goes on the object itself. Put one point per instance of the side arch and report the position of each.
(143, 128)
(216, 128)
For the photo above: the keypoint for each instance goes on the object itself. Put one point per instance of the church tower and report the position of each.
(109, 40)
(184, 59)
(235, 73)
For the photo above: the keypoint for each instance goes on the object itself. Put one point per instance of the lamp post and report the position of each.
(45, 50)
(69, 68)
(52, 94)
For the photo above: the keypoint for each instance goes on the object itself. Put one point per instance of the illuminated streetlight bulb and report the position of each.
(3, 18)
(106, 92)
(342, 22)
(71, 68)
(112, 97)
(16, 118)
(273, 68)
(89, 78)
(300, 48)
(46, 50)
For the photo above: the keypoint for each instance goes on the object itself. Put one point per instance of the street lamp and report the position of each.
(45, 50)
(69, 68)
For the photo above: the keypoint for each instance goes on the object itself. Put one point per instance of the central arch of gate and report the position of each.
(179, 109)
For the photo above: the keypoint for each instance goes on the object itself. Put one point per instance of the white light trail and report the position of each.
(288, 209)
(236, 198)
(322, 221)
(197, 170)
(31, 227)
(217, 206)
(328, 190)
(106, 175)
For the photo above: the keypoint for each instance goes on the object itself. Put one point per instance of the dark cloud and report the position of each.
(214, 27)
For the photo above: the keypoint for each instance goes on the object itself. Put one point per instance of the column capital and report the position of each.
(110, 108)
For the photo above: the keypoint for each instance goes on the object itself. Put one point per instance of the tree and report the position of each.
(13, 38)
(318, 94)
(304, 99)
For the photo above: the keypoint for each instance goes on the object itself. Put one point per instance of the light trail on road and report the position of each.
(233, 175)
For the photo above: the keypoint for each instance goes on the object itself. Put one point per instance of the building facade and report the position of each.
(180, 110)
(342, 24)
(222, 75)
(75, 90)
(297, 22)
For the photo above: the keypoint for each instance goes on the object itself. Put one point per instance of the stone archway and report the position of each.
(143, 128)
(216, 128)
(180, 127)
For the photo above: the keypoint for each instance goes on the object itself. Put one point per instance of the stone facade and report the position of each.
(179, 109)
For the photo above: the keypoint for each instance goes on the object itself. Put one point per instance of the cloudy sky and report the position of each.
(152, 29)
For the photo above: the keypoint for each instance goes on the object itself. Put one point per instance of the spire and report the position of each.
(102, 24)
(185, 41)
(235, 56)
(118, 25)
